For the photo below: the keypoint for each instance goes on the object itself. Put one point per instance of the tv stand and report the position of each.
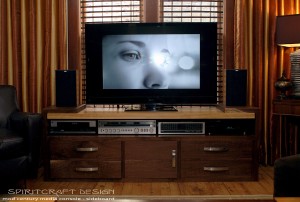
(194, 144)
(151, 107)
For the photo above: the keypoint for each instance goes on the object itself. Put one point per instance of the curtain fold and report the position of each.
(33, 44)
(256, 51)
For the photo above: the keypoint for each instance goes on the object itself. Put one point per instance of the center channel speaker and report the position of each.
(236, 87)
(66, 88)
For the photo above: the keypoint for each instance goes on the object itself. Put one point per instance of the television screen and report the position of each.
(151, 61)
(140, 63)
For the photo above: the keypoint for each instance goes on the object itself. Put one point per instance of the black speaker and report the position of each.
(66, 88)
(236, 87)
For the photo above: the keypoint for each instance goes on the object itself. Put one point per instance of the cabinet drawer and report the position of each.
(85, 148)
(217, 170)
(85, 169)
(216, 149)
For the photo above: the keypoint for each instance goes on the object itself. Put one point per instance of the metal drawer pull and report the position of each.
(86, 149)
(92, 169)
(215, 149)
(215, 169)
(173, 158)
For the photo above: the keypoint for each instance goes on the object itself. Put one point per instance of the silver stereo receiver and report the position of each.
(144, 127)
(181, 128)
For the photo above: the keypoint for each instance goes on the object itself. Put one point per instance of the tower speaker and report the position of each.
(236, 87)
(66, 88)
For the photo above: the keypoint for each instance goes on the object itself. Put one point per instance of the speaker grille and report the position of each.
(236, 87)
(66, 83)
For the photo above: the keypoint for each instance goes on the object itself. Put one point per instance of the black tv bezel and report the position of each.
(208, 62)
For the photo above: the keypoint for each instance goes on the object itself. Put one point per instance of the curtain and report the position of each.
(33, 43)
(255, 49)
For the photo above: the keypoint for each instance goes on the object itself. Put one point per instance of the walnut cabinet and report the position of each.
(212, 156)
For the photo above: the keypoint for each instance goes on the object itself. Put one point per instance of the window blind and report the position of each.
(192, 11)
(110, 11)
(198, 11)
(103, 11)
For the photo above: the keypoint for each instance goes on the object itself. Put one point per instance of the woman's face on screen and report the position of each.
(131, 61)
(138, 61)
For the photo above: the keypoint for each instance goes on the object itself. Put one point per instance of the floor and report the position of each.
(264, 186)
(138, 191)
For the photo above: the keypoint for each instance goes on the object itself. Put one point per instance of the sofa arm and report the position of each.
(286, 176)
(29, 125)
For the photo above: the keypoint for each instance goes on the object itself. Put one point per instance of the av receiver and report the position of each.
(144, 127)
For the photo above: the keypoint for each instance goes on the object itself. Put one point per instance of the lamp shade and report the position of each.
(288, 30)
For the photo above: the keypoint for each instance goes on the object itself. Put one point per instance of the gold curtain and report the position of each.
(33, 43)
(256, 51)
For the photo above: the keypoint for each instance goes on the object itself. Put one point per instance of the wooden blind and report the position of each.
(110, 11)
(192, 10)
(103, 11)
(198, 11)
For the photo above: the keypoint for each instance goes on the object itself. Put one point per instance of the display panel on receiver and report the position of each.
(181, 128)
(130, 127)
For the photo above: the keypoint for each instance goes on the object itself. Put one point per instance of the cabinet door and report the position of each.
(151, 159)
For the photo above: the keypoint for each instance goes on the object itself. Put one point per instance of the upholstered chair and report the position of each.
(20, 140)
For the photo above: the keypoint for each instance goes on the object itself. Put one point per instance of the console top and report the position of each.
(184, 112)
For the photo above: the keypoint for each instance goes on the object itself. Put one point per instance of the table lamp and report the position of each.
(288, 35)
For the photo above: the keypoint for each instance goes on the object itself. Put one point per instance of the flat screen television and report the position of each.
(151, 64)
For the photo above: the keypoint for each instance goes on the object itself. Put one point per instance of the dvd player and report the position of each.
(147, 127)
(73, 127)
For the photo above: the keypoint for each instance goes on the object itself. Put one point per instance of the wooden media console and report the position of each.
(201, 144)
